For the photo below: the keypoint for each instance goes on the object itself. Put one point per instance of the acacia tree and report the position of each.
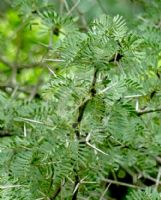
(80, 104)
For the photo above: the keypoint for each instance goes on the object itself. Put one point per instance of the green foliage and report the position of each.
(79, 105)
(148, 194)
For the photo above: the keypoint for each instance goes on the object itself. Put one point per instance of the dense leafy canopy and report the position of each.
(80, 100)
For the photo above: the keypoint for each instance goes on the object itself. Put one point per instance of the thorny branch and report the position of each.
(76, 125)
(148, 110)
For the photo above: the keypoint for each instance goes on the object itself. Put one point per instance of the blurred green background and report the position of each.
(24, 39)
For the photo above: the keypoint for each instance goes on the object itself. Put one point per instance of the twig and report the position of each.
(14, 91)
(146, 111)
(31, 120)
(89, 182)
(82, 18)
(10, 186)
(61, 7)
(151, 178)
(107, 88)
(142, 174)
(123, 184)
(70, 179)
(158, 178)
(158, 159)
(82, 182)
(52, 72)
(137, 105)
(34, 121)
(101, 6)
(54, 60)
(76, 187)
(103, 194)
(66, 5)
(74, 6)
(56, 193)
(133, 96)
(24, 130)
(78, 184)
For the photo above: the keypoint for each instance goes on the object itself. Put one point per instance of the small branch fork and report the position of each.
(76, 186)
(82, 182)
(146, 110)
